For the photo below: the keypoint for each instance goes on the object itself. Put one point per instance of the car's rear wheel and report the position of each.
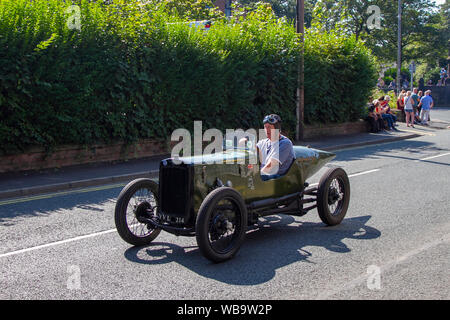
(137, 201)
(221, 224)
(333, 196)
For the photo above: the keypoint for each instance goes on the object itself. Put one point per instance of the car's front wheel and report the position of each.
(333, 196)
(137, 202)
(221, 224)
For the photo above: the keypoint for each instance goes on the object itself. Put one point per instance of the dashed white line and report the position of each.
(364, 172)
(56, 243)
(432, 157)
(351, 175)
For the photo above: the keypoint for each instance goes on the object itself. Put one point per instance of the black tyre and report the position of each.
(221, 224)
(137, 200)
(333, 196)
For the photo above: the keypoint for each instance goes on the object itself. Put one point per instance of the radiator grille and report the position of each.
(175, 189)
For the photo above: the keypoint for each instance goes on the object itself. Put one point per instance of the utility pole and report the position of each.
(301, 75)
(412, 70)
(399, 46)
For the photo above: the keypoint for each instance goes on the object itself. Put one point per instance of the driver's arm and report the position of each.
(271, 167)
(242, 142)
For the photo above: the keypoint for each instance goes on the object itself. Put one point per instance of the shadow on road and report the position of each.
(417, 148)
(92, 202)
(278, 242)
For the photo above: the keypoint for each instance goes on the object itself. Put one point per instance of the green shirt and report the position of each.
(415, 99)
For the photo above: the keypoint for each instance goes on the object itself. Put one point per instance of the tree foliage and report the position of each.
(425, 27)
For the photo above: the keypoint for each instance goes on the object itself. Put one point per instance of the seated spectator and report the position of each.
(373, 119)
(382, 109)
(388, 108)
(379, 113)
(391, 85)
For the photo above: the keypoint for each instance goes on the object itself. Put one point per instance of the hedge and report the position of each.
(136, 71)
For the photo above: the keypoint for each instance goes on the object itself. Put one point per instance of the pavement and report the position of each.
(32, 183)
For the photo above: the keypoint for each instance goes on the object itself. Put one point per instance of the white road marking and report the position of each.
(56, 243)
(432, 157)
(351, 175)
(114, 230)
(364, 172)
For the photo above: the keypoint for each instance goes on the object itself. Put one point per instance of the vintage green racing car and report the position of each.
(216, 202)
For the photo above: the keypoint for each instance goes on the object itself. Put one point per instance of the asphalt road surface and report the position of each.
(393, 243)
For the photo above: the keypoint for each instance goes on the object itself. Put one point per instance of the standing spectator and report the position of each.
(380, 83)
(419, 107)
(427, 104)
(443, 75)
(400, 103)
(415, 102)
(421, 84)
(409, 110)
(430, 82)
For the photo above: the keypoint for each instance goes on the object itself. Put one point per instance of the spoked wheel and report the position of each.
(137, 201)
(221, 224)
(333, 196)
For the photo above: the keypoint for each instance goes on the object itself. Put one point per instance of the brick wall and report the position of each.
(348, 128)
(36, 158)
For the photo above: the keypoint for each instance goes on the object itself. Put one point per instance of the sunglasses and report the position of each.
(272, 119)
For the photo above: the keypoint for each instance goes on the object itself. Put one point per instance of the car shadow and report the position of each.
(277, 242)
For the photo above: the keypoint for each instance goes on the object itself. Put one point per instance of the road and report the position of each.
(393, 243)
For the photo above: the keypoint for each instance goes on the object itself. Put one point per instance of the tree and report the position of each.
(357, 17)
(285, 8)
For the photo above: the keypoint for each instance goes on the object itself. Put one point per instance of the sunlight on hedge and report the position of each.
(126, 71)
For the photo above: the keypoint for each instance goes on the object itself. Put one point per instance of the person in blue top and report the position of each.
(276, 152)
(426, 102)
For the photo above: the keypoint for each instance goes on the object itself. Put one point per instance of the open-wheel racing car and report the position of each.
(216, 202)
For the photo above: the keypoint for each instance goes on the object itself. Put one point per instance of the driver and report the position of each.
(276, 151)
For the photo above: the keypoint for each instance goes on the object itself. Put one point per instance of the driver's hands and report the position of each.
(242, 143)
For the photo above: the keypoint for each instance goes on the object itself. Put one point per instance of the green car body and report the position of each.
(234, 170)
(231, 168)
